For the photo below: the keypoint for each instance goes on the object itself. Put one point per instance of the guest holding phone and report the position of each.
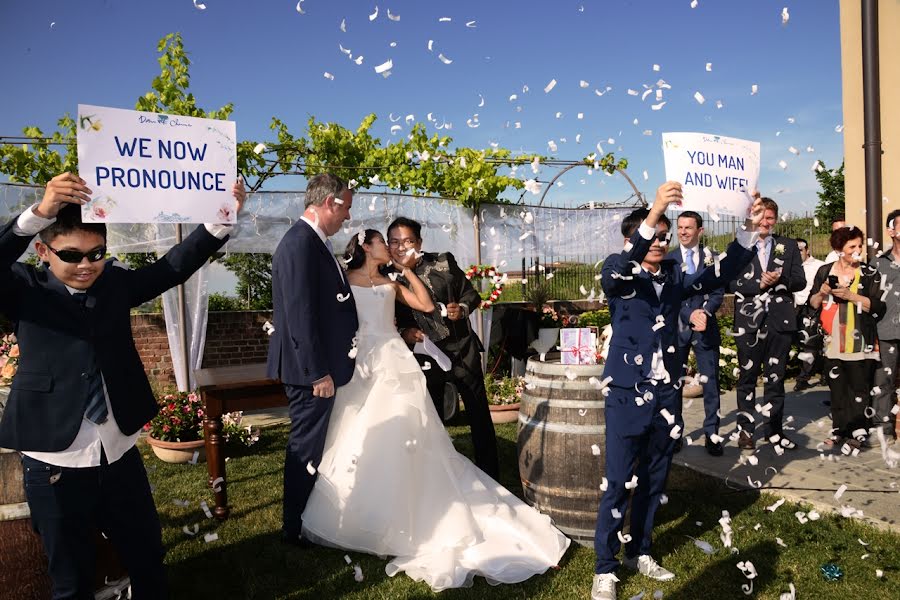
(849, 304)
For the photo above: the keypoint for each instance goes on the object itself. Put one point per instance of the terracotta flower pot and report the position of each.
(177, 452)
(504, 413)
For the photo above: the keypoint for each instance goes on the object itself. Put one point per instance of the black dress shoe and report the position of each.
(679, 443)
(296, 541)
(714, 448)
(745, 441)
(802, 384)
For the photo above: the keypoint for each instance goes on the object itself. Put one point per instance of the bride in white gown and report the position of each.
(391, 483)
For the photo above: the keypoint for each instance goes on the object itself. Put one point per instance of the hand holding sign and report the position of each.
(66, 188)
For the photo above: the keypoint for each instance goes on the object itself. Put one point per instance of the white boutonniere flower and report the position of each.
(779, 249)
(708, 258)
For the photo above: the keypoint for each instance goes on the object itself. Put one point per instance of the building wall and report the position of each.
(851, 67)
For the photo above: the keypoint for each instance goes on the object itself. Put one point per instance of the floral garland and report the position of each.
(490, 272)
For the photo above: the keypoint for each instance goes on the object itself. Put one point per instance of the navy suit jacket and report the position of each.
(710, 302)
(634, 307)
(59, 341)
(779, 313)
(314, 312)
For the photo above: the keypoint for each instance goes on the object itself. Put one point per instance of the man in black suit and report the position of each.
(698, 328)
(310, 349)
(764, 325)
(80, 396)
(448, 327)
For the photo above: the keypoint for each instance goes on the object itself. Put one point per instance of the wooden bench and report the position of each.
(224, 390)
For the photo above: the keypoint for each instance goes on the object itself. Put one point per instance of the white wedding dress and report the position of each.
(392, 484)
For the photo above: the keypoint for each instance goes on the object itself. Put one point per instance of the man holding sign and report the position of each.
(81, 396)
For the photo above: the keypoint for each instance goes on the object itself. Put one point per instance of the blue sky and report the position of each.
(269, 61)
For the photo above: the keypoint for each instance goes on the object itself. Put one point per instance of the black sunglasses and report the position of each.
(662, 237)
(75, 257)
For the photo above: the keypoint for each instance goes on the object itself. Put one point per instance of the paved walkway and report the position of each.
(806, 474)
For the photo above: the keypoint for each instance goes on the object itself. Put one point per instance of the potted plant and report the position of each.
(504, 397)
(176, 432)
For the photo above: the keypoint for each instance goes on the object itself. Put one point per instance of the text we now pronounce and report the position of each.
(178, 179)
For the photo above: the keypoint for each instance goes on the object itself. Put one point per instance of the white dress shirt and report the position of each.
(810, 267)
(84, 451)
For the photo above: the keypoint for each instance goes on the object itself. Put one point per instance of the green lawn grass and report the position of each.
(248, 561)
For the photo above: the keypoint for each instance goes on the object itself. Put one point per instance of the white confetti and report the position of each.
(210, 537)
(310, 468)
(785, 16)
(840, 492)
(444, 59)
(392, 17)
(385, 66)
(595, 449)
(374, 15)
(259, 149)
(754, 89)
(299, 8)
(328, 76)
(550, 86)
(217, 484)
(199, 6)
(699, 98)
(709, 67)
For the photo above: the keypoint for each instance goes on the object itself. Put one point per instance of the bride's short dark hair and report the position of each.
(354, 255)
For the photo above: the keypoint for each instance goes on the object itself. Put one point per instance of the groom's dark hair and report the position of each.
(355, 255)
(413, 226)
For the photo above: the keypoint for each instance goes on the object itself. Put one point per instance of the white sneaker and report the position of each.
(604, 587)
(648, 567)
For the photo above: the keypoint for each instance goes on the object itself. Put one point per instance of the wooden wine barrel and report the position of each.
(23, 565)
(559, 420)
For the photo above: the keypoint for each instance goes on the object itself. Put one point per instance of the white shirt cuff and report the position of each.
(747, 239)
(646, 231)
(218, 231)
(29, 224)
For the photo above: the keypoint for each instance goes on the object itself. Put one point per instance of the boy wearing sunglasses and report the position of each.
(80, 396)
(645, 291)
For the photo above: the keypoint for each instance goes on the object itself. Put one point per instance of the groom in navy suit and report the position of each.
(646, 291)
(310, 349)
(698, 328)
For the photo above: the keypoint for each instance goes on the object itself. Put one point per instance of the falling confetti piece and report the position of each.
(374, 15)
(299, 7)
(310, 468)
(444, 59)
(328, 76)
(392, 17)
(385, 66)
(754, 89)
(709, 66)
(699, 98)
(259, 149)
(550, 86)
(782, 164)
(657, 106)
(199, 6)
(785, 16)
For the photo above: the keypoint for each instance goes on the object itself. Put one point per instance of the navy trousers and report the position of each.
(707, 364)
(306, 443)
(638, 442)
(68, 505)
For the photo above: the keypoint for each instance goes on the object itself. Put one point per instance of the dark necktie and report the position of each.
(96, 411)
(658, 277)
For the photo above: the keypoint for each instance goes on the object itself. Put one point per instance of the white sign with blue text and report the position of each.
(152, 168)
(717, 173)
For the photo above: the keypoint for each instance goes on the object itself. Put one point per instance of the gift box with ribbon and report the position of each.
(578, 346)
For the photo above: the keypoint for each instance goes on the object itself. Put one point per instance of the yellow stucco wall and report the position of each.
(851, 67)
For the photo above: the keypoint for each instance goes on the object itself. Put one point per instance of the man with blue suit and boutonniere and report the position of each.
(698, 328)
(644, 373)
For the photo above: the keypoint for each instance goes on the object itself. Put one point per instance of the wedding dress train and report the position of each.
(392, 484)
